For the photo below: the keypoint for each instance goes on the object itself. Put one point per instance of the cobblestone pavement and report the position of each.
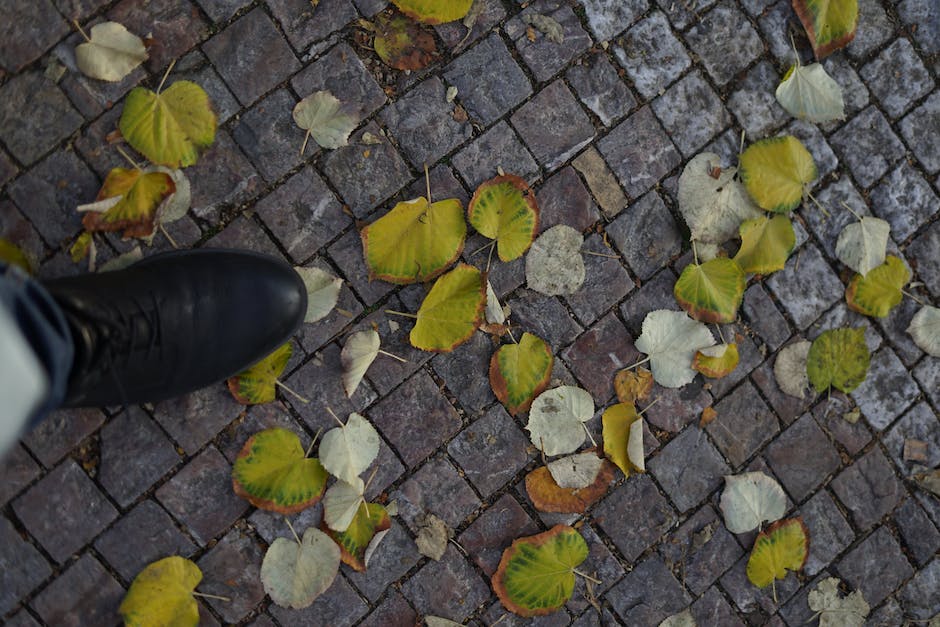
(601, 125)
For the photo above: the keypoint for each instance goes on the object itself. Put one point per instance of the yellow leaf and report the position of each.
(776, 172)
(451, 311)
(162, 595)
(434, 11)
(716, 362)
(879, 291)
(257, 385)
(12, 254)
(765, 244)
(783, 546)
(830, 24)
(504, 209)
(140, 195)
(520, 372)
(622, 426)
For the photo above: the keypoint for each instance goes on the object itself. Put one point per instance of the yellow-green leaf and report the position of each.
(879, 291)
(830, 24)
(434, 11)
(783, 546)
(403, 44)
(257, 384)
(11, 254)
(766, 242)
(451, 311)
(776, 172)
(82, 247)
(504, 209)
(353, 542)
(169, 128)
(140, 195)
(520, 372)
(712, 291)
(840, 358)
(716, 362)
(618, 432)
(536, 574)
(272, 472)
(414, 242)
(162, 594)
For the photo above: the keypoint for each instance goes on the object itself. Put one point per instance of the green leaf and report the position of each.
(451, 311)
(878, 292)
(783, 546)
(403, 44)
(520, 372)
(162, 594)
(536, 574)
(369, 520)
(169, 128)
(766, 243)
(840, 358)
(830, 24)
(137, 195)
(776, 172)
(272, 472)
(504, 209)
(294, 574)
(11, 254)
(413, 242)
(434, 11)
(712, 291)
(257, 384)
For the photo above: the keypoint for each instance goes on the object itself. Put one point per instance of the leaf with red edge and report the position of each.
(547, 496)
(782, 546)
(830, 24)
(368, 521)
(520, 372)
(139, 194)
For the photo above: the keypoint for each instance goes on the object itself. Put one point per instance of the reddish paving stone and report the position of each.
(143, 535)
(677, 407)
(869, 488)
(22, 567)
(346, 252)
(437, 488)
(232, 568)
(764, 317)
(195, 67)
(493, 436)
(650, 516)
(200, 496)
(395, 556)
(488, 536)
(648, 594)
(339, 606)
(688, 468)
(196, 418)
(244, 233)
(598, 354)
(744, 424)
(251, 71)
(563, 199)
(22, 619)
(271, 525)
(64, 510)
(702, 549)
(254, 419)
(876, 566)
(802, 457)
(175, 27)
(134, 455)
(394, 611)
(85, 594)
(17, 469)
(654, 293)
(553, 125)
(449, 588)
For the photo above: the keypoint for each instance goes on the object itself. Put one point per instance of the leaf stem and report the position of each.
(483, 247)
(639, 363)
(818, 204)
(291, 527)
(206, 595)
(591, 252)
(401, 313)
(335, 417)
(593, 441)
(852, 211)
(645, 409)
(168, 237)
(586, 576)
(127, 157)
(304, 146)
(291, 392)
(914, 298)
(81, 30)
(427, 181)
(371, 477)
(393, 356)
(316, 437)
(166, 75)
(694, 252)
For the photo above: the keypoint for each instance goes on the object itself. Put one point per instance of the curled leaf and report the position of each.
(548, 496)
(341, 503)
(925, 330)
(790, 369)
(623, 437)
(366, 525)
(358, 353)
(322, 292)
(547, 25)
(134, 197)
(432, 537)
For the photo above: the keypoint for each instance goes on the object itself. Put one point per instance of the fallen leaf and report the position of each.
(504, 208)
(451, 312)
(358, 353)
(354, 543)
(708, 416)
(434, 11)
(632, 386)
(554, 265)
(257, 384)
(437, 621)
(766, 243)
(122, 261)
(432, 537)
(547, 25)
(557, 417)
(862, 245)
(809, 93)
(402, 43)
(536, 574)
(713, 206)
(840, 358)
(11, 254)
(716, 362)
(347, 451)
(520, 372)
(790, 369)
(374, 543)
(783, 546)
(576, 471)
(322, 292)
(830, 25)
(833, 609)
(671, 339)
(548, 496)
(777, 172)
(110, 53)
(750, 499)
(852, 415)
(162, 594)
(495, 314)
(711, 291)
(325, 119)
(133, 197)
(682, 619)
(623, 437)
(880, 290)
(294, 574)
(341, 503)
(925, 330)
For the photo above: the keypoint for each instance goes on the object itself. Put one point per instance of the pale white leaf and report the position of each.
(99, 206)
(635, 451)
(547, 25)
(322, 292)
(358, 353)
(322, 114)
(347, 451)
(556, 417)
(432, 537)
(494, 311)
(111, 53)
(682, 619)
(370, 139)
(341, 502)
(835, 610)
(373, 545)
(862, 245)
(554, 265)
(174, 206)
(450, 94)
(122, 261)
(713, 206)
(790, 369)
(576, 471)
(925, 329)
(294, 575)
(810, 94)
(671, 338)
(750, 499)
(437, 621)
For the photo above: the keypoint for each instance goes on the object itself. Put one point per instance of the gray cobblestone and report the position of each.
(652, 55)
(648, 594)
(651, 516)
(545, 57)
(647, 235)
(829, 530)
(874, 29)
(448, 588)
(802, 457)
(919, 534)
(553, 125)
(606, 283)
(600, 88)
(493, 436)
(639, 152)
(268, 135)
(725, 41)
(803, 298)
(905, 200)
(868, 488)
(744, 424)
(702, 549)
(754, 104)
(887, 390)
(84, 594)
(876, 566)
(499, 147)
(303, 23)
(913, 129)
(920, 424)
(690, 133)
(24, 567)
(688, 468)
(908, 80)
(134, 455)
(868, 146)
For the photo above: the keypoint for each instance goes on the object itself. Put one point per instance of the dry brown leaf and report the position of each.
(632, 386)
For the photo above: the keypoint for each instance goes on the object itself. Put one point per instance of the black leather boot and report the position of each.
(175, 322)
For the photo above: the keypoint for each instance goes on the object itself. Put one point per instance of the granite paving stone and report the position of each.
(919, 424)
(423, 123)
(78, 9)
(688, 468)
(923, 19)
(927, 374)
(222, 10)
(195, 67)
(600, 564)
(18, 470)
(868, 488)
(543, 56)
(830, 416)
(455, 35)
(684, 15)
(226, 177)
(917, 531)
(151, 534)
(909, 79)
(753, 102)
(196, 418)
(84, 594)
(269, 137)
(925, 248)
(200, 496)
(828, 528)
(23, 567)
(493, 436)
(395, 556)
(596, 82)
(764, 317)
(449, 588)
(244, 233)
(597, 355)
(493, 531)
(489, 81)
(232, 568)
(606, 282)
(749, 599)
(134, 455)
(744, 424)
(868, 146)
(393, 611)
(702, 549)
(646, 235)
(919, 596)
(677, 407)
(175, 26)
(563, 199)
(887, 390)
(22, 619)
(894, 328)
(913, 129)
(905, 200)
(806, 289)
(346, 253)
(711, 608)
(64, 510)
(28, 31)
(252, 71)
(472, 356)
(553, 125)
(341, 72)
(499, 147)
(827, 230)
(544, 316)
(749, 358)
(600, 180)
(338, 606)
(648, 594)
(876, 566)
(814, 141)
(304, 23)
(321, 378)
(639, 152)
(774, 19)
(60, 432)
(347, 167)
(7, 168)
(725, 41)
(387, 373)
(651, 55)
(855, 94)
(874, 29)
(655, 293)
(606, 20)
(802, 457)
(650, 516)
(436, 488)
